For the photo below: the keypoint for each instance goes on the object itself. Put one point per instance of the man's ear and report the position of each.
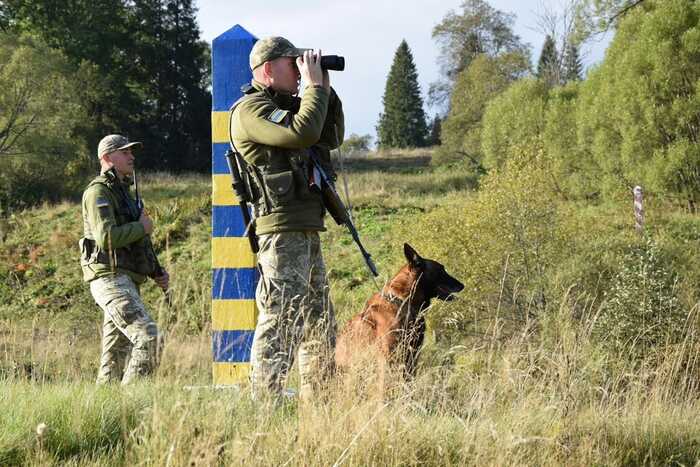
(267, 69)
(412, 256)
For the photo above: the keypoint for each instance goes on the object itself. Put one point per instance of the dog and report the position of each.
(392, 323)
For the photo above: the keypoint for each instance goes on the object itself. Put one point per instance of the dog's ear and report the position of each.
(412, 256)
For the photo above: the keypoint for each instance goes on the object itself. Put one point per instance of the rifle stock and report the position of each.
(239, 188)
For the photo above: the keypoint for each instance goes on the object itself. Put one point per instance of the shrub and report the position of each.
(641, 310)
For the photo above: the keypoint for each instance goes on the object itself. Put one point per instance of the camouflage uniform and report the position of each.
(115, 262)
(273, 132)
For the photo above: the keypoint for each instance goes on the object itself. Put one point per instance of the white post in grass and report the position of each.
(638, 209)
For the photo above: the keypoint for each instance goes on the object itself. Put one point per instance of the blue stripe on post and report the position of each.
(230, 66)
(227, 221)
(234, 283)
(219, 166)
(232, 346)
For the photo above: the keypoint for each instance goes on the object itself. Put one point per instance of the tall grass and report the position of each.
(544, 393)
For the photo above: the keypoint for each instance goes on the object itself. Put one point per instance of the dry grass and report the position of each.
(545, 395)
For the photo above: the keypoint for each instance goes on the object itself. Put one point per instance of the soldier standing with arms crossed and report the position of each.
(273, 130)
(116, 261)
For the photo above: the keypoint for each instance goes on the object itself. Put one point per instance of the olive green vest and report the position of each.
(122, 250)
(280, 173)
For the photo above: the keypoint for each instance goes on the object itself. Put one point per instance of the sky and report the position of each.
(367, 33)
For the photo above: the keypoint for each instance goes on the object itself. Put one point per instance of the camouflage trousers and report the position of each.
(295, 314)
(130, 337)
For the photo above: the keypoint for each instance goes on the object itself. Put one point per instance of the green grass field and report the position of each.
(538, 390)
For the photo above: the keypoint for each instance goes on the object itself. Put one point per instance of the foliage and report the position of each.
(513, 119)
(526, 379)
(502, 244)
(356, 143)
(435, 131)
(574, 171)
(642, 310)
(484, 79)
(402, 124)
(463, 35)
(150, 71)
(647, 87)
(596, 16)
(42, 155)
(572, 68)
(548, 66)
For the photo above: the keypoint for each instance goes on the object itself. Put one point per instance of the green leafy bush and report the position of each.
(642, 309)
(502, 244)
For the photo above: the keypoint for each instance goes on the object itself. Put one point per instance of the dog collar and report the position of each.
(393, 299)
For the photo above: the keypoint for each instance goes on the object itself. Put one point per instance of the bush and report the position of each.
(502, 244)
(642, 310)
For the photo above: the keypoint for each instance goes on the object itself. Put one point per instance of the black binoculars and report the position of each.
(333, 62)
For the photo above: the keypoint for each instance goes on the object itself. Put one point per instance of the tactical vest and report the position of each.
(132, 258)
(280, 184)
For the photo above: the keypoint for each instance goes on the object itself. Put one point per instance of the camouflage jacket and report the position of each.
(273, 132)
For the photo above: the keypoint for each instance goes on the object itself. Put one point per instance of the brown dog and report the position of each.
(393, 321)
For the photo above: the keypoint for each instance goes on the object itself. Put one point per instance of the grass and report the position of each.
(547, 394)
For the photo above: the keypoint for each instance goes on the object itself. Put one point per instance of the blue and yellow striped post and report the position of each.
(234, 276)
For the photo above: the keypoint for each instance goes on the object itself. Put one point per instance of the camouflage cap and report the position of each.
(111, 143)
(271, 48)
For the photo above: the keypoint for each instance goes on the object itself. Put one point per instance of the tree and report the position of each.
(402, 124)
(434, 135)
(462, 36)
(485, 78)
(548, 66)
(41, 154)
(639, 117)
(572, 68)
(173, 69)
(513, 120)
(596, 16)
(356, 143)
(151, 75)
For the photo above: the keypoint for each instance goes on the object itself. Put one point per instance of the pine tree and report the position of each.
(403, 122)
(548, 68)
(435, 131)
(572, 67)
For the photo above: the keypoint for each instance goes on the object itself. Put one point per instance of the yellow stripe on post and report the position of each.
(233, 315)
(230, 373)
(219, 127)
(222, 191)
(231, 252)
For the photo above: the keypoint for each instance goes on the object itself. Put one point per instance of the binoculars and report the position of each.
(333, 62)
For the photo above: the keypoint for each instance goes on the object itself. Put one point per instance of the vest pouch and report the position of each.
(134, 258)
(280, 187)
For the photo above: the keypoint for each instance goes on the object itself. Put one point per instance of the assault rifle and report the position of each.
(241, 188)
(334, 205)
(157, 268)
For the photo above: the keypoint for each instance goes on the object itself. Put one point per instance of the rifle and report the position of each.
(241, 188)
(334, 205)
(157, 269)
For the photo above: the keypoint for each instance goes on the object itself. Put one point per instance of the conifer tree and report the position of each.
(402, 124)
(572, 66)
(435, 131)
(548, 69)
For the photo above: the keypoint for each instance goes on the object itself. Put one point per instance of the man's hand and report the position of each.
(309, 66)
(147, 222)
(163, 281)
